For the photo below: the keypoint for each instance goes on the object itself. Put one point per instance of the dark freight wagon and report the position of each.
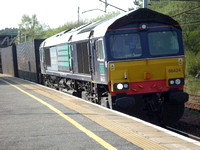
(9, 61)
(28, 60)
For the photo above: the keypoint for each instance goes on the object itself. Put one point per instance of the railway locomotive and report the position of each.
(133, 61)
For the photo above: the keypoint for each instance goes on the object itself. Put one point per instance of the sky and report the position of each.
(55, 12)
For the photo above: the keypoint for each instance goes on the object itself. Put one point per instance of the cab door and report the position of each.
(99, 61)
(70, 51)
(91, 52)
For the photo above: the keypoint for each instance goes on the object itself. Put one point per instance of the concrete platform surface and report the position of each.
(36, 117)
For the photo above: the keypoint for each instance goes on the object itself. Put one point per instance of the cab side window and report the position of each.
(100, 50)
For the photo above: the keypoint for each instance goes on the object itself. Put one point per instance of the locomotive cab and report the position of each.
(146, 60)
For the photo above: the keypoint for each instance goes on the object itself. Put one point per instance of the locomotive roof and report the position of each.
(100, 28)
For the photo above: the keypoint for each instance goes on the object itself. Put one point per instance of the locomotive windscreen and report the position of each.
(163, 43)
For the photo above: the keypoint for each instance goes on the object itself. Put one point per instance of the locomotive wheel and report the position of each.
(172, 112)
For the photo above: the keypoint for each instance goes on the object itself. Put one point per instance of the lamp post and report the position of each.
(78, 15)
(145, 3)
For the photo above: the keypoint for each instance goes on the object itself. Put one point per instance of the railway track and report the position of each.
(194, 102)
(183, 133)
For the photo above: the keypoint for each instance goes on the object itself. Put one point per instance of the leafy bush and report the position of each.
(192, 63)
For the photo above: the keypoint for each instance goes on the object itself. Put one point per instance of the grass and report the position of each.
(192, 63)
(192, 85)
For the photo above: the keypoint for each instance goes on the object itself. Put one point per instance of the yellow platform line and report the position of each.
(107, 123)
(76, 124)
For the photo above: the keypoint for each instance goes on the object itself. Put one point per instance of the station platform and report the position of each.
(36, 117)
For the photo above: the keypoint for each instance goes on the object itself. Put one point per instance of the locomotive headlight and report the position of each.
(178, 81)
(171, 82)
(121, 86)
(126, 86)
(144, 26)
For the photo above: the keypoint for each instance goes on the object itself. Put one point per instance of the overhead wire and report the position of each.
(190, 23)
(186, 11)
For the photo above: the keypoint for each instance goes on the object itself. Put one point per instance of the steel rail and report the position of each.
(183, 133)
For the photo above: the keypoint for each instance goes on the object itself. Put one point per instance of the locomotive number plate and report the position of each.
(174, 70)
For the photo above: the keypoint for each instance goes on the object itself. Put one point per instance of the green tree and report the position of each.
(32, 27)
(138, 3)
(106, 16)
(66, 26)
(9, 31)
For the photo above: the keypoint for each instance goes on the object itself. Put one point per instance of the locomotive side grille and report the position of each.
(47, 57)
(83, 58)
(79, 57)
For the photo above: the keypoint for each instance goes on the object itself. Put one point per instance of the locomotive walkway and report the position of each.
(36, 117)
